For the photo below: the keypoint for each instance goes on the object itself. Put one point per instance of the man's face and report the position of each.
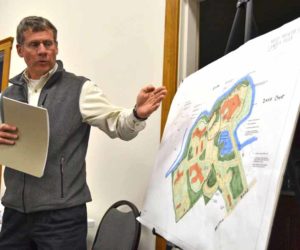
(39, 51)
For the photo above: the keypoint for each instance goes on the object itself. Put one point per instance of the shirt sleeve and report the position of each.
(97, 111)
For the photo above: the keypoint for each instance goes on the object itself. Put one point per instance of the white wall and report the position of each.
(118, 44)
(188, 56)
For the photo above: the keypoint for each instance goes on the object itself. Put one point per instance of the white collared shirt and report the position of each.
(95, 108)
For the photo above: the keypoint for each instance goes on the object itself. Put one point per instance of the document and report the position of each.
(219, 169)
(30, 151)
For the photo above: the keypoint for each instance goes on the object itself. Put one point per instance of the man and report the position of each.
(50, 212)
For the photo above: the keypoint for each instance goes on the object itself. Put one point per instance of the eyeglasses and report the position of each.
(34, 45)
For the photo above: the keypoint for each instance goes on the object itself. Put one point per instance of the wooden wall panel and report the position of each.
(5, 46)
(170, 70)
(170, 64)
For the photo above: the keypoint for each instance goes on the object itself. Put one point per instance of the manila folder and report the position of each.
(30, 151)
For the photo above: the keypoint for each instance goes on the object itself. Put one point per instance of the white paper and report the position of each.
(219, 169)
(30, 151)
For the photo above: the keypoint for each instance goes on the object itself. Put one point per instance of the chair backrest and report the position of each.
(118, 230)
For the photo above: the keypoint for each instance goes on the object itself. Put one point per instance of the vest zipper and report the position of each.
(62, 160)
(23, 194)
(24, 175)
(41, 102)
(25, 91)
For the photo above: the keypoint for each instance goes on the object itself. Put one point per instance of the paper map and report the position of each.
(219, 169)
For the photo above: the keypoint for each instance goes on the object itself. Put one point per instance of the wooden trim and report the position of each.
(170, 70)
(5, 46)
(161, 243)
(170, 64)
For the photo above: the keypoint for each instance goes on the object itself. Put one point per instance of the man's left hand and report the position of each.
(148, 100)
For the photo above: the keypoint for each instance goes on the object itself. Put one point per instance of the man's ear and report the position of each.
(56, 48)
(19, 50)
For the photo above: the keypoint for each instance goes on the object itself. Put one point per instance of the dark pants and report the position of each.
(61, 229)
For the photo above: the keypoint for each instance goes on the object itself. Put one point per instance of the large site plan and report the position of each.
(218, 172)
(210, 158)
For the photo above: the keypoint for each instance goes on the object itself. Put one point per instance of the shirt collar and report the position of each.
(44, 77)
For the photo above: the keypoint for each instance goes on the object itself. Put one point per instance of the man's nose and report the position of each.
(41, 48)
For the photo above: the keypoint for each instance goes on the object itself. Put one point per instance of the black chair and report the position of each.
(118, 230)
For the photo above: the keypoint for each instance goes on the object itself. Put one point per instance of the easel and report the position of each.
(246, 5)
(169, 245)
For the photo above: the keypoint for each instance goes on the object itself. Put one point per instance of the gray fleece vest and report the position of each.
(64, 181)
